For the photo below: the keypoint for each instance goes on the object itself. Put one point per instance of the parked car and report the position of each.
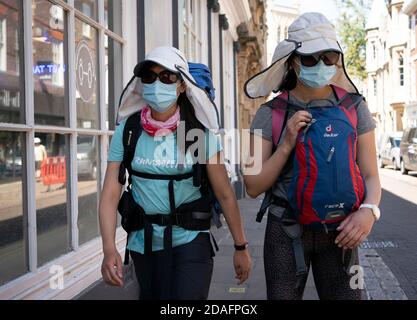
(86, 157)
(389, 150)
(408, 151)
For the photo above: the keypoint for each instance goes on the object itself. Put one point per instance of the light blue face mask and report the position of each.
(160, 96)
(317, 76)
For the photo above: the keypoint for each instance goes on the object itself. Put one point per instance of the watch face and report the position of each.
(375, 210)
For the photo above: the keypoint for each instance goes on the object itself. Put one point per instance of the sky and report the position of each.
(326, 7)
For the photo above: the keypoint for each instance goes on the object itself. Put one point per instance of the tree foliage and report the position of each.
(351, 26)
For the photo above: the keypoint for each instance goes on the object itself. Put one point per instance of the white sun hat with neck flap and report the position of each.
(173, 60)
(311, 33)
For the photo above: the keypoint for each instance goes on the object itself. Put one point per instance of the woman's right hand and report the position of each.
(300, 120)
(111, 269)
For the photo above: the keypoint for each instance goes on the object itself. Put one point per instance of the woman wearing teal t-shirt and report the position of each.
(179, 262)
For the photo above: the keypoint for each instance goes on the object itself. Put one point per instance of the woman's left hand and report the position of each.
(355, 229)
(243, 265)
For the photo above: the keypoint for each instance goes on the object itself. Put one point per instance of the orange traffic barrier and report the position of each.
(54, 171)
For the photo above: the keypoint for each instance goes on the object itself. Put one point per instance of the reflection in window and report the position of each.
(87, 165)
(86, 71)
(88, 7)
(51, 196)
(12, 244)
(49, 66)
(113, 15)
(113, 79)
(11, 82)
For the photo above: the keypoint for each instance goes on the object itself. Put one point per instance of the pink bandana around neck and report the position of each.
(159, 128)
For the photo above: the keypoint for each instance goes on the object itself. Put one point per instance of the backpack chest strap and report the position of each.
(150, 176)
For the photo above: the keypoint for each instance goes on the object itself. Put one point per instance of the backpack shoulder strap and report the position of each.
(348, 103)
(339, 92)
(131, 133)
(279, 116)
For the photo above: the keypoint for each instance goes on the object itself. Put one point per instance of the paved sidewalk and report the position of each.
(224, 286)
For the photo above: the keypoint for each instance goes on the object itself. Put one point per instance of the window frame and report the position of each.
(193, 29)
(28, 128)
(401, 68)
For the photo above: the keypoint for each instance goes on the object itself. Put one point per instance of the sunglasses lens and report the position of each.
(165, 77)
(168, 77)
(309, 61)
(149, 77)
(331, 58)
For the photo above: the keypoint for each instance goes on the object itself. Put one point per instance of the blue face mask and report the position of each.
(160, 96)
(318, 76)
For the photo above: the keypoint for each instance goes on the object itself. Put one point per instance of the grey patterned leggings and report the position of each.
(320, 251)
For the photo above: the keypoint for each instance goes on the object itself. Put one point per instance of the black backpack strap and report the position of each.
(151, 176)
(131, 133)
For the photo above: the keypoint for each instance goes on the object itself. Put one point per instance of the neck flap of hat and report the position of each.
(311, 33)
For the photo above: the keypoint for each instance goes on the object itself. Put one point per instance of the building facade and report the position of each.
(389, 88)
(63, 66)
(410, 9)
(279, 19)
(251, 58)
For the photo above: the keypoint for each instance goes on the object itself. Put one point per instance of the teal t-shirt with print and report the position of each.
(157, 155)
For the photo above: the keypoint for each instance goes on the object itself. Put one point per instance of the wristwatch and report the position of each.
(375, 210)
(242, 247)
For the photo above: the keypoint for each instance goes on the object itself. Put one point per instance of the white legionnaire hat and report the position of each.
(173, 60)
(311, 33)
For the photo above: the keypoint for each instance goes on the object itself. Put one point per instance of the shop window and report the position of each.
(113, 15)
(11, 81)
(88, 177)
(52, 227)
(87, 7)
(12, 242)
(86, 71)
(49, 63)
(49, 202)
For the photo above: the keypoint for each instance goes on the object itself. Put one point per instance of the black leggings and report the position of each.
(192, 268)
(321, 252)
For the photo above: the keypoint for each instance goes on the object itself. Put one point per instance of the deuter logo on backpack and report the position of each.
(329, 132)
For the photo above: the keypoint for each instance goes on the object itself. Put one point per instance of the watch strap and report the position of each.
(242, 247)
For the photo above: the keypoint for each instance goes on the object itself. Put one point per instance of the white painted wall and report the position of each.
(204, 31)
(130, 51)
(230, 106)
(158, 23)
(215, 58)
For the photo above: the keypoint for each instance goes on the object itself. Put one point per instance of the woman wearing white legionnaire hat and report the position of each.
(308, 153)
(167, 207)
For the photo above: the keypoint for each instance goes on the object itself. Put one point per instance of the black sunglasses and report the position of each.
(166, 77)
(330, 58)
